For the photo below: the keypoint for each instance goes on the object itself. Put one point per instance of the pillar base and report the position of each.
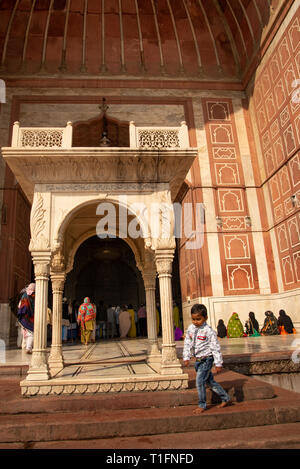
(56, 361)
(154, 354)
(171, 369)
(38, 374)
(55, 367)
(169, 362)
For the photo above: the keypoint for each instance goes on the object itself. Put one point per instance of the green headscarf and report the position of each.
(235, 327)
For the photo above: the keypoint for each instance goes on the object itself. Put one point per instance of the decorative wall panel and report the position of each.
(235, 239)
(277, 113)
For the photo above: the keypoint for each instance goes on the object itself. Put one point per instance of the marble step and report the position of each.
(280, 436)
(239, 387)
(103, 423)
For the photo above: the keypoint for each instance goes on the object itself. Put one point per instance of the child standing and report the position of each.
(201, 341)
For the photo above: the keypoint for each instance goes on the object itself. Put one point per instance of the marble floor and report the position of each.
(129, 356)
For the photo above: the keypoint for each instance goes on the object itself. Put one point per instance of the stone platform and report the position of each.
(261, 416)
(104, 367)
(120, 365)
(144, 420)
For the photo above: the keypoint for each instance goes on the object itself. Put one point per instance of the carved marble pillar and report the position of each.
(153, 356)
(169, 362)
(38, 369)
(56, 361)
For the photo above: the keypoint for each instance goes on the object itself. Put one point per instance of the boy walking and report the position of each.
(201, 341)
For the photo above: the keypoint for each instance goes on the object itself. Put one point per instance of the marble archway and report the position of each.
(106, 271)
(66, 186)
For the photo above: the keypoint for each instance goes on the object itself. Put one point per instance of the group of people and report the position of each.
(272, 326)
(200, 340)
(125, 321)
(87, 318)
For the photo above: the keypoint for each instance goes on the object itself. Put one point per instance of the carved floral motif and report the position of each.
(140, 386)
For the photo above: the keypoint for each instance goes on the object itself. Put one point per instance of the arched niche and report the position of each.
(89, 133)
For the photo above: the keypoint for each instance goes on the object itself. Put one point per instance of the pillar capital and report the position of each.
(41, 270)
(164, 260)
(58, 263)
(41, 262)
(149, 277)
(58, 281)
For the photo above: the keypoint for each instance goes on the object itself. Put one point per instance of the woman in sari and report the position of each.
(26, 315)
(176, 316)
(285, 323)
(86, 318)
(132, 330)
(270, 326)
(125, 322)
(235, 327)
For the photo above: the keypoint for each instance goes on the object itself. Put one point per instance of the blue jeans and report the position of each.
(204, 375)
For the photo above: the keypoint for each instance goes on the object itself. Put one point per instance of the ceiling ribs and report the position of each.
(230, 37)
(194, 37)
(123, 66)
(248, 21)
(162, 64)
(83, 68)
(238, 27)
(103, 68)
(43, 63)
(258, 15)
(63, 65)
(242, 24)
(212, 36)
(26, 36)
(143, 65)
(181, 68)
(8, 33)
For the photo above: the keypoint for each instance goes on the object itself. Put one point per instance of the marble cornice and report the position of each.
(33, 166)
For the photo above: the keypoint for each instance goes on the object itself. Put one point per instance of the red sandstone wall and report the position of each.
(15, 236)
(278, 121)
(235, 239)
(195, 278)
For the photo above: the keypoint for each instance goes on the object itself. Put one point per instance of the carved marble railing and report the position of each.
(42, 137)
(158, 137)
(145, 138)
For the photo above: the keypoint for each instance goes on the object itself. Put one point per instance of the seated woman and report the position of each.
(285, 324)
(270, 326)
(251, 325)
(221, 328)
(235, 327)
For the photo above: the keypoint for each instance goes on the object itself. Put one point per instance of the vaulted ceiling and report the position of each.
(215, 39)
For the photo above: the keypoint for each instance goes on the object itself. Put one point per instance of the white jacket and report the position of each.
(201, 342)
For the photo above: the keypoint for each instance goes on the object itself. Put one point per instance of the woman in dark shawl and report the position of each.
(270, 326)
(285, 323)
(26, 315)
(221, 328)
(251, 324)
